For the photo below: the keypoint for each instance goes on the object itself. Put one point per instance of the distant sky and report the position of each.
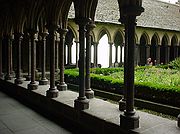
(172, 1)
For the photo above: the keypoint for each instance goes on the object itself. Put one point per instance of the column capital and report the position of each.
(110, 43)
(62, 31)
(90, 26)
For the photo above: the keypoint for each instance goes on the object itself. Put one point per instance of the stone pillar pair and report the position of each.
(95, 54)
(82, 102)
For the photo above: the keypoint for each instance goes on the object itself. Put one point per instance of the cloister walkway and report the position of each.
(16, 118)
(102, 116)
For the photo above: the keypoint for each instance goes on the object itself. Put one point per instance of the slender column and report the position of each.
(147, 53)
(52, 92)
(121, 54)
(167, 52)
(1, 73)
(62, 86)
(175, 51)
(57, 55)
(110, 54)
(43, 80)
(69, 58)
(18, 40)
(76, 53)
(28, 77)
(122, 102)
(129, 119)
(95, 54)
(136, 54)
(88, 92)
(11, 57)
(9, 43)
(116, 54)
(81, 102)
(65, 54)
(158, 54)
(33, 84)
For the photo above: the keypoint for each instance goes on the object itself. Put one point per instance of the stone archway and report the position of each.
(173, 48)
(164, 52)
(143, 53)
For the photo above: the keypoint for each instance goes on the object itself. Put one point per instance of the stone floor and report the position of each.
(15, 118)
(100, 109)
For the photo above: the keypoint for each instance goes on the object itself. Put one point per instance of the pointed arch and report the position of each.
(118, 37)
(174, 40)
(165, 40)
(73, 31)
(102, 32)
(146, 38)
(155, 38)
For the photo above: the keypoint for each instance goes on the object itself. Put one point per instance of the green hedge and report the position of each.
(157, 93)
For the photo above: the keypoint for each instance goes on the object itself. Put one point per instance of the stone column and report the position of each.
(18, 39)
(81, 102)
(9, 46)
(62, 86)
(158, 54)
(69, 57)
(1, 72)
(167, 54)
(76, 53)
(121, 54)
(176, 51)
(110, 54)
(65, 54)
(147, 48)
(88, 92)
(11, 57)
(43, 80)
(57, 55)
(136, 54)
(116, 54)
(28, 77)
(33, 84)
(52, 92)
(129, 119)
(95, 54)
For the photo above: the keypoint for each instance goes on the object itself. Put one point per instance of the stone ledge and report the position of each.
(102, 116)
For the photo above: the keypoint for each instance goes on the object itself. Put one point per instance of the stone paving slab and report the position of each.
(16, 118)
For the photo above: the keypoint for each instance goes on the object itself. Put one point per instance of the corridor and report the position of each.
(16, 118)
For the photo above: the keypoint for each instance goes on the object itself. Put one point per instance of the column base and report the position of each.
(89, 93)
(130, 121)
(28, 77)
(178, 121)
(18, 81)
(57, 70)
(13, 74)
(32, 86)
(62, 86)
(52, 93)
(2, 76)
(43, 82)
(8, 77)
(81, 103)
(122, 104)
